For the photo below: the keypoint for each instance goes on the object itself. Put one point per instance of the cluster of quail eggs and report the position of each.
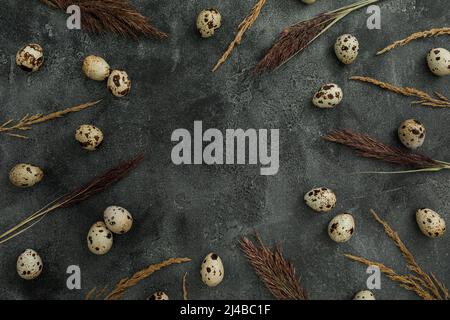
(116, 220)
(31, 57)
(342, 226)
(96, 68)
(330, 95)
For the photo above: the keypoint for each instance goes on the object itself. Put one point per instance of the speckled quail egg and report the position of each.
(309, 1)
(208, 21)
(99, 238)
(412, 133)
(119, 83)
(212, 271)
(90, 137)
(96, 68)
(25, 175)
(346, 48)
(329, 96)
(159, 295)
(364, 295)
(30, 58)
(29, 264)
(320, 199)
(439, 61)
(430, 223)
(341, 227)
(118, 219)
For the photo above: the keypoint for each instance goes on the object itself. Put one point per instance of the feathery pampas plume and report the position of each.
(95, 186)
(294, 39)
(368, 147)
(116, 16)
(274, 270)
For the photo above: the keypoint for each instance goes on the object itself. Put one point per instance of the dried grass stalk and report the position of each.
(126, 283)
(97, 185)
(274, 270)
(243, 27)
(417, 35)
(116, 16)
(425, 99)
(423, 284)
(10, 128)
(185, 290)
(294, 39)
(368, 147)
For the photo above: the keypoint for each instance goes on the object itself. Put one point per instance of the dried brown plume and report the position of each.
(274, 270)
(92, 188)
(294, 39)
(115, 16)
(368, 147)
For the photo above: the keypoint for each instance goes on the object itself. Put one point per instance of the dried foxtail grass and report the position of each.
(368, 147)
(242, 29)
(123, 285)
(92, 188)
(294, 39)
(435, 32)
(12, 128)
(425, 285)
(425, 99)
(184, 287)
(274, 270)
(115, 16)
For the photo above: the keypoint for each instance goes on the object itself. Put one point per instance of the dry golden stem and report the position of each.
(243, 27)
(425, 98)
(426, 286)
(127, 283)
(90, 294)
(418, 35)
(185, 290)
(405, 281)
(409, 258)
(27, 121)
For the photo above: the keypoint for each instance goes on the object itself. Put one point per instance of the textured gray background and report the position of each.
(192, 210)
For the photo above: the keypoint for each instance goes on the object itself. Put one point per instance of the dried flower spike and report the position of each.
(243, 27)
(425, 285)
(425, 99)
(95, 186)
(28, 121)
(274, 270)
(126, 283)
(294, 39)
(370, 148)
(417, 35)
(116, 16)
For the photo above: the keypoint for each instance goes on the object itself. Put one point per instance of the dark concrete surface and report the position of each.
(192, 210)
